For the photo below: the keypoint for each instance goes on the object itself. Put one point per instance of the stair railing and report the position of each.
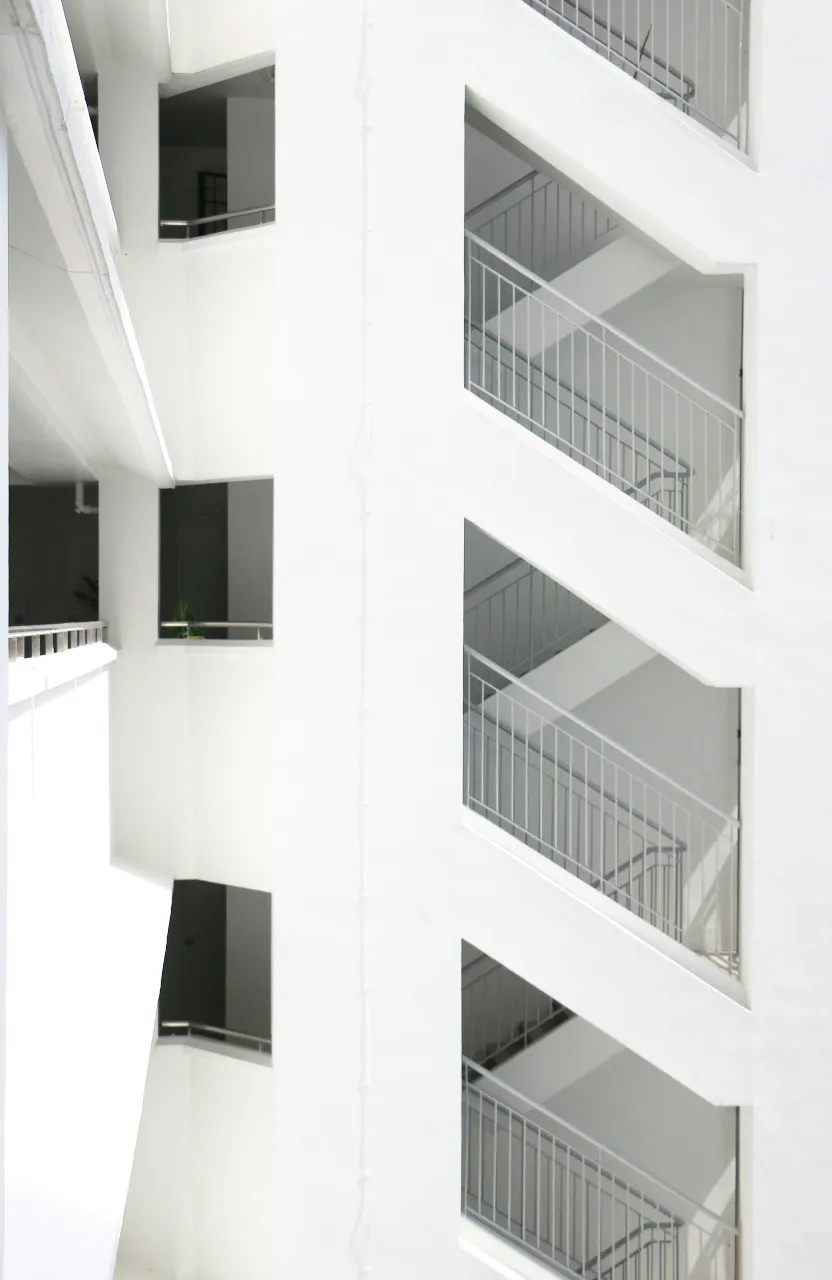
(692, 53)
(520, 618)
(540, 223)
(573, 1203)
(590, 391)
(588, 804)
(503, 1014)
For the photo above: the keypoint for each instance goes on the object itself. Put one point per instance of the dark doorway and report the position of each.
(193, 570)
(193, 980)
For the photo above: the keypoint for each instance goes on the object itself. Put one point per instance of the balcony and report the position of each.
(216, 562)
(216, 157)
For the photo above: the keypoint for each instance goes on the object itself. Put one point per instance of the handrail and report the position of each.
(679, 845)
(518, 683)
(530, 1104)
(570, 305)
(686, 470)
(217, 217)
(221, 626)
(263, 1043)
(630, 43)
(501, 195)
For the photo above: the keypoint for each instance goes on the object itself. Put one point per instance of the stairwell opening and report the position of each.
(601, 755)
(578, 1152)
(601, 343)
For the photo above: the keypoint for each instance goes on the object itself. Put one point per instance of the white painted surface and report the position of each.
(204, 308)
(4, 625)
(250, 551)
(205, 34)
(251, 153)
(193, 736)
(30, 676)
(201, 1199)
(85, 940)
(660, 990)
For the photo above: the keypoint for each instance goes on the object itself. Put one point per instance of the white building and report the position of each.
(281, 456)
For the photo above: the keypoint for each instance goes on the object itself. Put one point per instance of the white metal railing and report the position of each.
(222, 1035)
(39, 642)
(606, 401)
(585, 802)
(191, 630)
(569, 1201)
(693, 53)
(503, 1014)
(539, 223)
(519, 618)
(189, 228)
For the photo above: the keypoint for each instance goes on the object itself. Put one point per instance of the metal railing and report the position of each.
(215, 223)
(609, 403)
(223, 1035)
(188, 630)
(539, 223)
(39, 642)
(692, 53)
(519, 618)
(502, 1014)
(571, 1202)
(589, 805)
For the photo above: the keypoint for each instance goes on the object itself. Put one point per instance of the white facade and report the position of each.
(582, 448)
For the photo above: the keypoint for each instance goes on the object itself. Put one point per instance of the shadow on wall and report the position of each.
(53, 556)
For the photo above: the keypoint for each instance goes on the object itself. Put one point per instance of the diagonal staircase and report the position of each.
(571, 1203)
(692, 53)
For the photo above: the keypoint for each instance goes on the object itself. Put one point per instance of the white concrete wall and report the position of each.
(193, 736)
(250, 551)
(206, 34)
(85, 946)
(203, 309)
(202, 1186)
(251, 152)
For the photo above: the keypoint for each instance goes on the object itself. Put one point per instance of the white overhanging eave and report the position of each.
(48, 119)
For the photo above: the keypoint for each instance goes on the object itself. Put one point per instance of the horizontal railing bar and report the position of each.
(508, 359)
(518, 683)
(263, 626)
(610, 329)
(215, 217)
(529, 1104)
(218, 1031)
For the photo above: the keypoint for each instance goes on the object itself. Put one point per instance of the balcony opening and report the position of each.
(599, 754)
(692, 53)
(581, 1154)
(53, 568)
(216, 157)
(216, 981)
(215, 574)
(596, 341)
